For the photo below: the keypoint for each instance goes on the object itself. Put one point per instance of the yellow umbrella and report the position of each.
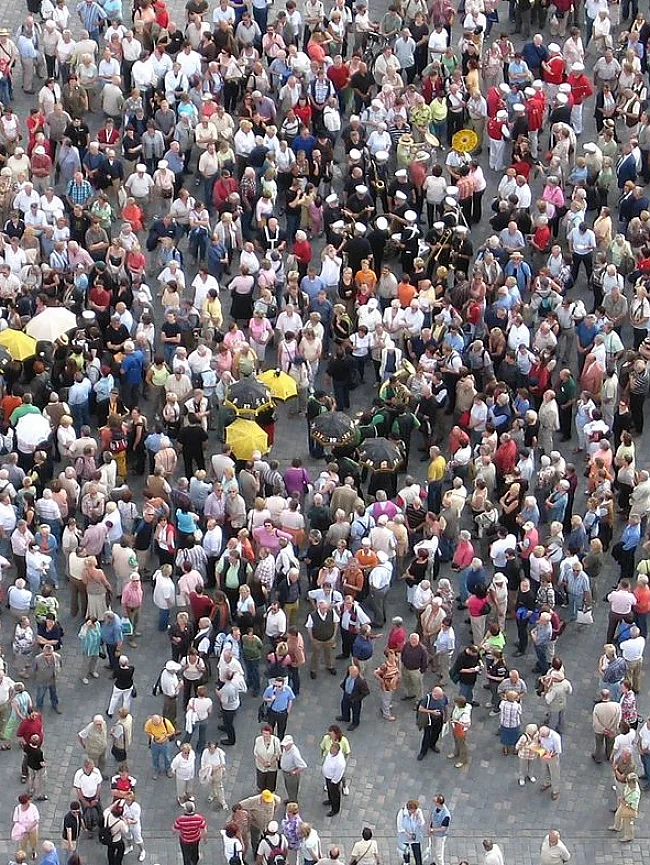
(245, 436)
(19, 345)
(281, 385)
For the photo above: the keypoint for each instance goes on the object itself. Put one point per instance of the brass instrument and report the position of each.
(444, 240)
(379, 185)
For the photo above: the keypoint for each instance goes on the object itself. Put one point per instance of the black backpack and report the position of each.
(105, 835)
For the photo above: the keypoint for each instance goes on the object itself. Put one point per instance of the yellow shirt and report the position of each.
(436, 470)
(159, 733)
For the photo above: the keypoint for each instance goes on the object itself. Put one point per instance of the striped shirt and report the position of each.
(190, 827)
(510, 714)
(79, 193)
(91, 15)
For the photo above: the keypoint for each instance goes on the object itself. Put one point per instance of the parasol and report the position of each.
(5, 359)
(245, 437)
(31, 431)
(333, 428)
(465, 141)
(48, 326)
(248, 397)
(18, 344)
(380, 453)
(281, 385)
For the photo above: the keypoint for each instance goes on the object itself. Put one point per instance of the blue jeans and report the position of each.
(462, 584)
(556, 720)
(252, 669)
(163, 620)
(5, 90)
(160, 757)
(542, 658)
(202, 727)
(80, 416)
(261, 16)
(466, 691)
(575, 604)
(41, 691)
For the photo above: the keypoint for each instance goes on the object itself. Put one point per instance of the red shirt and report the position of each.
(542, 237)
(302, 251)
(581, 88)
(339, 75)
(190, 827)
(303, 113)
(553, 72)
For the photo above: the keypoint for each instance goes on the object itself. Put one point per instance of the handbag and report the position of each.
(585, 617)
(422, 719)
(262, 713)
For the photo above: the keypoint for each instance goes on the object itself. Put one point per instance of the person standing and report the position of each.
(132, 816)
(93, 738)
(333, 771)
(628, 809)
(411, 827)
(551, 742)
(213, 772)
(229, 697)
(292, 766)
(461, 721)
(632, 651)
(493, 854)
(415, 660)
(433, 711)
(554, 851)
(606, 717)
(183, 767)
(439, 828)
(355, 690)
(267, 753)
(117, 829)
(45, 669)
(122, 686)
(322, 625)
(191, 828)
(388, 675)
(278, 698)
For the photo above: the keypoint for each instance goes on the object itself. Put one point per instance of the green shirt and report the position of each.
(252, 647)
(566, 391)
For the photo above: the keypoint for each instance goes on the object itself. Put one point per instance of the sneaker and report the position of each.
(128, 849)
(95, 674)
(85, 681)
(210, 798)
(522, 782)
(494, 713)
(142, 856)
(532, 779)
(346, 790)
(459, 765)
(154, 777)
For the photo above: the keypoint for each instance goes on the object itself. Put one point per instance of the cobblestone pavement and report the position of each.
(484, 797)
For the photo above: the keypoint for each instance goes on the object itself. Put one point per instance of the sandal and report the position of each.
(5, 746)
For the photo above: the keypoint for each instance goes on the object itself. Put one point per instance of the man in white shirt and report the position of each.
(379, 583)
(582, 243)
(276, 623)
(632, 651)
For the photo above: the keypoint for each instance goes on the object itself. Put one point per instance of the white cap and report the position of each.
(554, 48)
(502, 115)
(140, 167)
(422, 156)
(382, 156)
(338, 225)
(439, 226)
(360, 228)
(538, 84)
(332, 199)
(355, 155)
(451, 202)
(578, 67)
(529, 91)
(452, 191)
(562, 98)
(410, 216)
(504, 88)
(564, 88)
(382, 223)
(401, 172)
(461, 229)
(590, 147)
(519, 108)
(163, 164)
(361, 189)
(401, 195)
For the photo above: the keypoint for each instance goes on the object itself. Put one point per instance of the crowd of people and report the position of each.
(245, 189)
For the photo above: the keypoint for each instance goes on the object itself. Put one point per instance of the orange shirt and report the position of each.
(405, 293)
(366, 558)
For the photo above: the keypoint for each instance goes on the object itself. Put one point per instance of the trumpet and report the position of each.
(379, 185)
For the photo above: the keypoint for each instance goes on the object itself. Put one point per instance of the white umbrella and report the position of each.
(32, 430)
(48, 326)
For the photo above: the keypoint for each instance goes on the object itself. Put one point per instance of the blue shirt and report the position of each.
(279, 700)
(311, 287)
(307, 144)
(112, 631)
(132, 367)
(631, 537)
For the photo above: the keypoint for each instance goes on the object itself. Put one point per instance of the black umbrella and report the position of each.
(5, 359)
(381, 453)
(333, 429)
(248, 397)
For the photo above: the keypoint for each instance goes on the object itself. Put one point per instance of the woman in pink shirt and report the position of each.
(464, 552)
(268, 536)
